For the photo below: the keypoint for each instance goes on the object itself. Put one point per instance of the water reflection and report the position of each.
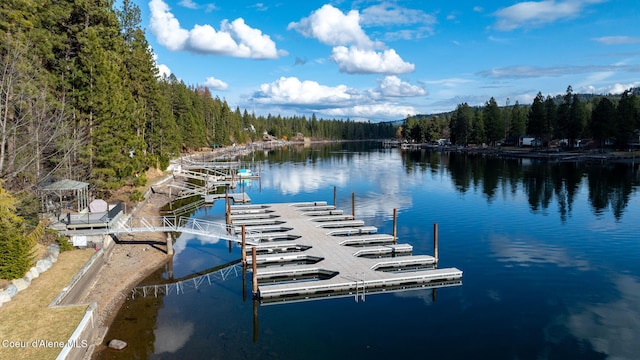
(171, 334)
(611, 328)
(310, 175)
(529, 252)
(304, 170)
(609, 185)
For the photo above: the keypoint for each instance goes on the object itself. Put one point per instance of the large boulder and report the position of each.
(4, 296)
(54, 251)
(43, 265)
(20, 284)
(11, 290)
(32, 273)
(117, 344)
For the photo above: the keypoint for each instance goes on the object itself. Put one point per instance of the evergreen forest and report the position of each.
(607, 121)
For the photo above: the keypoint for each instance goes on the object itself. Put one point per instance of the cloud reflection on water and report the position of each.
(611, 328)
(528, 252)
(172, 335)
(380, 171)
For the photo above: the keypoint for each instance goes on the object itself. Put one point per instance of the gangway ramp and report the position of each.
(171, 224)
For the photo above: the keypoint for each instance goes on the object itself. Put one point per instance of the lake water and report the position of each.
(550, 254)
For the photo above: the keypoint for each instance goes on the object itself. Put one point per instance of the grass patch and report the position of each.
(27, 317)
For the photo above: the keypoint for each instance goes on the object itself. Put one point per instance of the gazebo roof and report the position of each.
(66, 185)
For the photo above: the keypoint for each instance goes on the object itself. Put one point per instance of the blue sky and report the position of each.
(385, 60)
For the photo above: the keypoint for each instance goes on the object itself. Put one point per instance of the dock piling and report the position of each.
(227, 211)
(244, 282)
(169, 244)
(395, 226)
(353, 205)
(435, 242)
(254, 265)
(170, 268)
(335, 192)
(255, 320)
(244, 245)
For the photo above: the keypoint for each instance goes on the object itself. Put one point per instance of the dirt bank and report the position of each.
(133, 258)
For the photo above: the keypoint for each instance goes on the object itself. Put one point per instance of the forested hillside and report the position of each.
(81, 98)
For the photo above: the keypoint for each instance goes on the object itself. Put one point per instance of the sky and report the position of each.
(385, 60)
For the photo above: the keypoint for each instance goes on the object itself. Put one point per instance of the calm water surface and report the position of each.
(550, 254)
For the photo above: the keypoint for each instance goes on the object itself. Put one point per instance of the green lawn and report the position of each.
(27, 317)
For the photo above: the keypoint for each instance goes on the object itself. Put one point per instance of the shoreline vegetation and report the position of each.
(541, 153)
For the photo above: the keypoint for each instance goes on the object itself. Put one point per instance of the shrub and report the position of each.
(140, 180)
(17, 250)
(136, 196)
(64, 243)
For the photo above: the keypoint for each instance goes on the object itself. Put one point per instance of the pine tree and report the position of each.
(518, 120)
(17, 251)
(493, 121)
(461, 122)
(478, 129)
(602, 121)
(536, 124)
(628, 112)
(577, 119)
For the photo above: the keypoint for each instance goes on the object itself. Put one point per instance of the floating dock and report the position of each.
(312, 250)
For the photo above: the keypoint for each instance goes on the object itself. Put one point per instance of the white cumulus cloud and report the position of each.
(357, 61)
(235, 38)
(292, 91)
(536, 13)
(393, 86)
(166, 27)
(354, 52)
(216, 84)
(332, 27)
(340, 101)
(163, 70)
(615, 89)
(374, 111)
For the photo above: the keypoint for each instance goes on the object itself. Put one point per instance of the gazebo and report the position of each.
(69, 194)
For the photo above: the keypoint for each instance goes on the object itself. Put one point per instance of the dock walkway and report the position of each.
(321, 253)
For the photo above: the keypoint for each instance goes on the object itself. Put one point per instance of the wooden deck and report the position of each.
(320, 252)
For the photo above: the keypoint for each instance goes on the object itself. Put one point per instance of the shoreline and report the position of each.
(552, 154)
(132, 258)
